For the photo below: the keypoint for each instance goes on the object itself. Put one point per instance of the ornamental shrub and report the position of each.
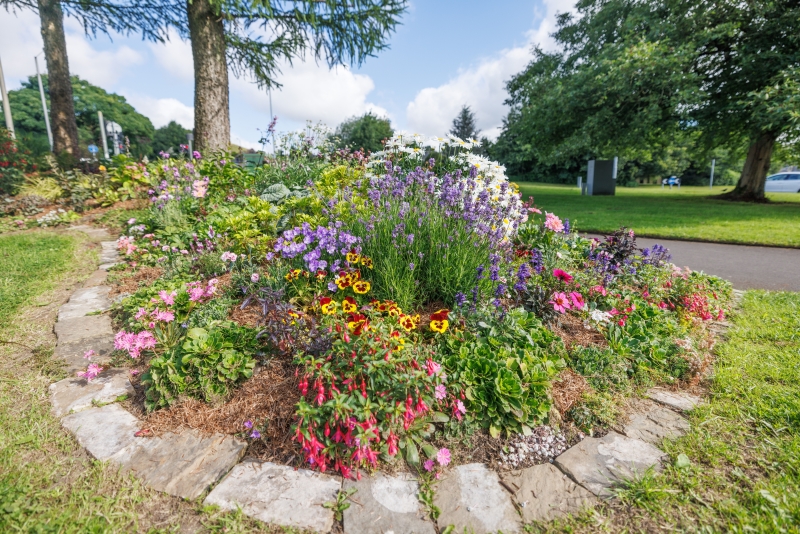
(503, 371)
(14, 163)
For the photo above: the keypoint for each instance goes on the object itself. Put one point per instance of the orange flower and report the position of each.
(349, 305)
(361, 287)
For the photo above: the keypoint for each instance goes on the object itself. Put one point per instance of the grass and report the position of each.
(685, 213)
(738, 469)
(47, 481)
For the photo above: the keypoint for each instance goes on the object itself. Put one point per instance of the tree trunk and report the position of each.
(62, 106)
(754, 175)
(212, 122)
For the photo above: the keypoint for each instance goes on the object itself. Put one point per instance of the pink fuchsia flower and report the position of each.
(428, 465)
(168, 298)
(255, 277)
(432, 367)
(443, 457)
(560, 302)
(552, 222)
(577, 300)
(228, 256)
(91, 372)
(562, 275)
(440, 392)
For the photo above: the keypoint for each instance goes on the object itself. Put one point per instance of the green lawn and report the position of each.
(738, 469)
(685, 213)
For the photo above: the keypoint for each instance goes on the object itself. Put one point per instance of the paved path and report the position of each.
(748, 267)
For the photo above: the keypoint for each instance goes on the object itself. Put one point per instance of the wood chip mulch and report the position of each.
(129, 282)
(574, 332)
(568, 390)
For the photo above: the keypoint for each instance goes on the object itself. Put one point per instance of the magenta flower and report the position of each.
(432, 367)
(562, 275)
(560, 302)
(443, 457)
(228, 256)
(428, 465)
(255, 434)
(91, 372)
(248, 424)
(168, 298)
(141, 313)
(88, 354)
(440, 392)
(164, 316)
(577, 300)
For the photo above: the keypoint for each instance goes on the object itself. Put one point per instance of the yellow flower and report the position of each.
(328, 305)
(366, 262)
(352, 257)
(102, 168)
(349, 305)
(361, 287)
(440, 326)
(293, 274)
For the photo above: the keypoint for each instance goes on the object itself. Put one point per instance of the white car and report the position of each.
(785, 182)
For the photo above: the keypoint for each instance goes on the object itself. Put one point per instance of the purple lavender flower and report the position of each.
(460, 299)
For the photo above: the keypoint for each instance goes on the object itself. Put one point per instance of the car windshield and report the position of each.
(775, 177)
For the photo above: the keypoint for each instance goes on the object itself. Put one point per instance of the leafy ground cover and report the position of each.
(738, 469)
(688, 213)
(47, 482)
(345, 312)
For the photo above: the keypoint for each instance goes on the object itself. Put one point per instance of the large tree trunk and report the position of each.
(62, 107)
(212, 122)
(754, 175)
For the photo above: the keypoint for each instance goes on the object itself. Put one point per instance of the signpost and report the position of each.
(114, 131)
(711, 182)
(93, 150)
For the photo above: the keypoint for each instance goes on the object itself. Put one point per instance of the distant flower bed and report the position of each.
(414, 293)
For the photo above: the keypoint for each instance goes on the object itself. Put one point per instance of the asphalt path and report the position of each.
(747, 267)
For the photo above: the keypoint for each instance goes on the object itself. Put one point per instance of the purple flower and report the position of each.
(248, 424)
(460, 298)
(255, 434)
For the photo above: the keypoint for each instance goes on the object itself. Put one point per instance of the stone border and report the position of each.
(469, 496)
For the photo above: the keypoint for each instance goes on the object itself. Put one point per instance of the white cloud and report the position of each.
(241, 141)
(312, 92)
(163, 110)
(175, 56)
(482, 87)
(20, 40)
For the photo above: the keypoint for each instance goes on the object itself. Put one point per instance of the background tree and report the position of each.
(223, 36)
(151, 18)
(88, 99)
(365, 132)
(636, 78)
(464, 125)
(169, 138)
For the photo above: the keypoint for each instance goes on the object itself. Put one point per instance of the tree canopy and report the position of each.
(464, 125)
(169, 138)
(636, 79)
(26, 108)
(367, 131)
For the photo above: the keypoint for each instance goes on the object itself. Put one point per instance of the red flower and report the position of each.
(562, 275)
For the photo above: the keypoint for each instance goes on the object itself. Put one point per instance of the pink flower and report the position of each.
(599, 289)
(534, 210)
(199, 188)
(562, 275)
(196, 294)
(440, 392)
(552, 222)
(254, 277)
(141, 313)
(168, 298)
(91, 372)
(124, 340)
(228, 256)
(428, 465)
(88, 354)
(135, 372)
(432, 367)
(443, 456)
(164, 316)
(577, 300)
(560, 302)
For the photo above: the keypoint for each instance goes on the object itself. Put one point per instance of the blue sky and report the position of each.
(445, 54)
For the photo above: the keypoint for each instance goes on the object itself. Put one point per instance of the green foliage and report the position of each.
(26, 108)
(604, 369)
(169, 138)
(595, 409)
(645, 82)
(207, 365)
(364, 133)
(505, 370)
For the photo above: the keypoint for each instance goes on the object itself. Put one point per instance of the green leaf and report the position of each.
(494, 431)
(412, 455)
(439, 417)
(682, 462)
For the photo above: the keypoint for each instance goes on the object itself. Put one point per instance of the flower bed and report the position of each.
(346, 312)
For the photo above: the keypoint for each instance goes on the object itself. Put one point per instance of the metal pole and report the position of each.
(6, 106)
(44, 103)
(103, 134)
(271, 116)
(711, 183)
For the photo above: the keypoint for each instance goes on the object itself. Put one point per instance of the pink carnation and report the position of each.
(552, 222)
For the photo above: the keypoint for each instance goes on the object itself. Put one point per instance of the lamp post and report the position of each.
(103, 133)
(44, 102)
(6, 105)
(114, 130)
(189, 139)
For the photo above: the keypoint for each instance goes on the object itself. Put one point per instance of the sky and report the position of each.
(445, 54)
